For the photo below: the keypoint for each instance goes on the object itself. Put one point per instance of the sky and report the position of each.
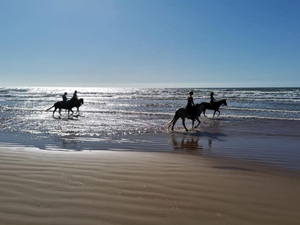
(150, 43)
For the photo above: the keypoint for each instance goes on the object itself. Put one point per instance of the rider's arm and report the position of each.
(192, 101)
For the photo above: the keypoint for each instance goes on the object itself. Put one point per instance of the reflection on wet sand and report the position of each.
(197, 141)
(186, 143)
(209, 143)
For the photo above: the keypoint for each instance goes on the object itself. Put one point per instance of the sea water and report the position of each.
(116, 113)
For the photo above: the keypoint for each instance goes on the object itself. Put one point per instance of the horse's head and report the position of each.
(224, 102)
(81, 101)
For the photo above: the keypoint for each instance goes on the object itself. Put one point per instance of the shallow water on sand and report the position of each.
(258, 124)
(269, 142)
(110, 112)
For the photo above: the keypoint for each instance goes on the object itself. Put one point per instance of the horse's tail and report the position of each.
(172, 121)
(50, 108)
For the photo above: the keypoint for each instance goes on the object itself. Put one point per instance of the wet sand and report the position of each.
(226, 172)
(115, 187)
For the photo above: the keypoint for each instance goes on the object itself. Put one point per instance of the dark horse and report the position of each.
(182, 113)
(214, 106)
(68, 105)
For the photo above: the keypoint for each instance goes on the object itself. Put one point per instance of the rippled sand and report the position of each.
(106, 187)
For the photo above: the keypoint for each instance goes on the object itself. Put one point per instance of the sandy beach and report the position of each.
(149, 112)
(113, 187)
(227, 171)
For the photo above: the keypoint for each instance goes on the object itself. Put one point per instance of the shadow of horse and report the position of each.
(214, 106)
(69, 105)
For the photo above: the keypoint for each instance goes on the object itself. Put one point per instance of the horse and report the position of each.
(183, 114)
(78, 103)
(68, 105)
(214, 106)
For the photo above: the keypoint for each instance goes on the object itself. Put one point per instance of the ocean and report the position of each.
(116, 111)
(115, 116)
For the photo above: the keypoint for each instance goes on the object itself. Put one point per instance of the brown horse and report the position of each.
(214, 106)
(183, 114)
(68, 105)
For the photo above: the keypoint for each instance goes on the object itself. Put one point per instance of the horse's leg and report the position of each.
(69, 112)
(60, 111)
(198, 122)
(200, 113)
(174, 121)
(204, 112)
(54, 111)
(214, 113)
(193, 121)
(218, 112)
(183, 123)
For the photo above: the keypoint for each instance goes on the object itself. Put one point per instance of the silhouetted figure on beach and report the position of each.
(212, 99)
(75, 96)
(190, 107)
(65, 99)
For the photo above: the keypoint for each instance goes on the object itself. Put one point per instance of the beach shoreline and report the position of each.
(245, 173)
(272, 142)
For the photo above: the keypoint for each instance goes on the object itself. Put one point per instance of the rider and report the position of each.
(75, 96)
(190, 107)
(212, 99)
(64, 97)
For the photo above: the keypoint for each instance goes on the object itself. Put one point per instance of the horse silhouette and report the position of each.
(69, 105)
(183, 114)
(214, 106)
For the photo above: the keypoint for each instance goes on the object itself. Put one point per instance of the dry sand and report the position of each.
(110, 187)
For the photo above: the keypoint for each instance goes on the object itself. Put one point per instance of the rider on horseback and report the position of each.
(65, 99)
(75, 96)
(190, 107)
(212, 99)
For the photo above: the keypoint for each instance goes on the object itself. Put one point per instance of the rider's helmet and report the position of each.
(66, 93)
(191, 93)
(211, 94)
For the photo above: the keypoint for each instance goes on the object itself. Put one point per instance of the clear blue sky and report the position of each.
(152, 43)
